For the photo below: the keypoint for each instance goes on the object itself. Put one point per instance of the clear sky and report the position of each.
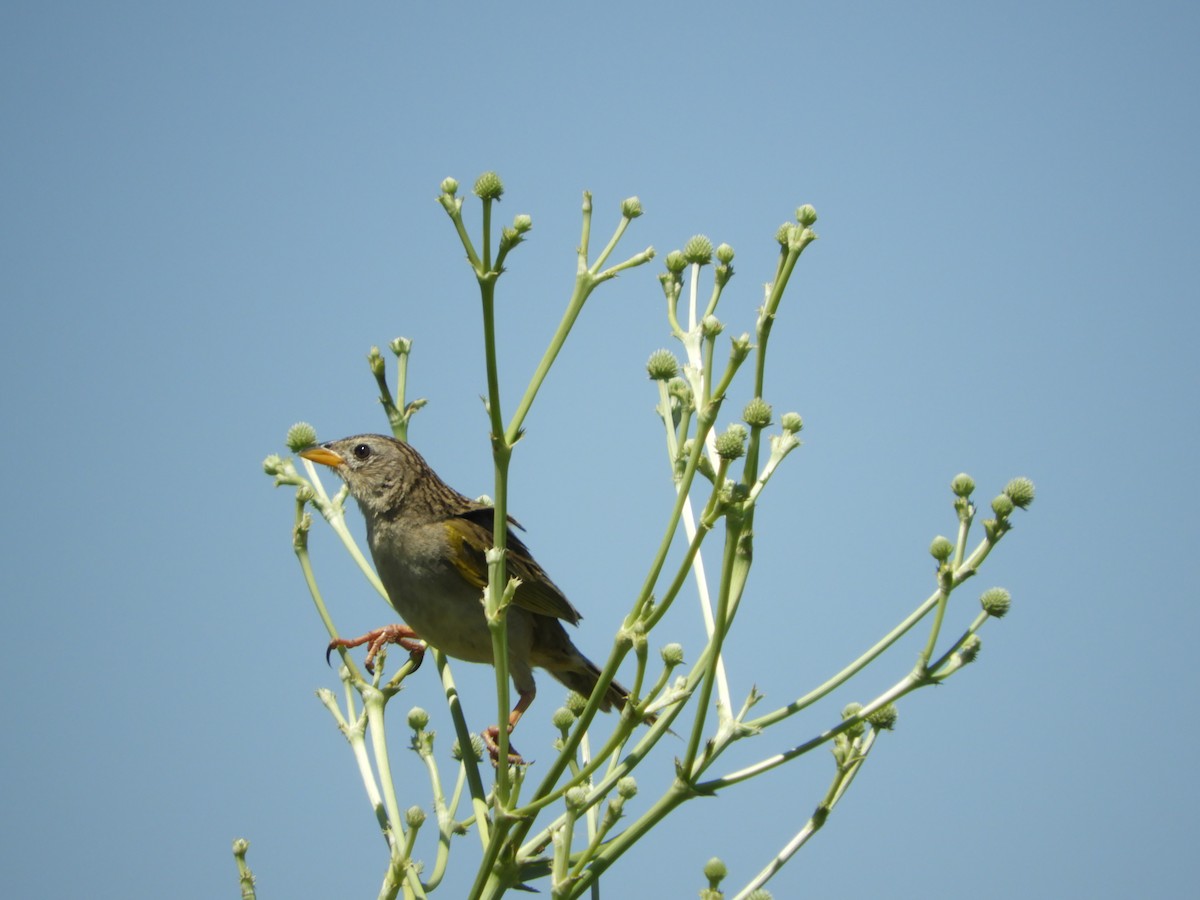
(210, 212)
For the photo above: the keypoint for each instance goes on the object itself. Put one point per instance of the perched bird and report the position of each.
(429, 544)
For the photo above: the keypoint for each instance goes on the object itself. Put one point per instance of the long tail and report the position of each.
(582, 679)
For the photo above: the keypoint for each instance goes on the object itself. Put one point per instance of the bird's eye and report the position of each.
(361, 451)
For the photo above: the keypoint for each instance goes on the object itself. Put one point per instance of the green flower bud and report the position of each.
(1002, 506)
(724, 254)
(798, 238)
(884, 718)
(672, 655)
(859, 729)
(631, 207)
(741, 347)
(576, 797)
(941, 548)
(417, 718)
(715, 870)
(522, 223)
(449, 186)
(963, 485)
(414, 817)
(273, 464)
(711, 326)
(375, 361)
(1020, 492)
(781, 233)
(627, 787)
(759, 894)
(969, 651)
(662, 365)
(806, 215)
(400, 346)
(732, 444)
(563, 718)
(791, 422)
(996, 602)
(476, 748)
(757, 413)
(488, 186)
(675, 262)
(698, 250)
(576, 703)
(301, 435)
(680, 390)
(240, 846)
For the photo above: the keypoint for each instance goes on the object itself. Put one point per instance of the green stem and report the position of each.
(842, 780)
(965, 571)
(713, 652)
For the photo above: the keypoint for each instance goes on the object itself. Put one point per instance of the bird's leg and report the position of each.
(491, 736)
(375, 640)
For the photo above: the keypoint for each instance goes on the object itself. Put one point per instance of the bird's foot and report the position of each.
(377, 639)
(491, 738)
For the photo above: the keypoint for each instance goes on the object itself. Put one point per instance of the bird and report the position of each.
(429, 544)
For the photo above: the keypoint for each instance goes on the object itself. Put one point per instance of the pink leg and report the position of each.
(375, 641)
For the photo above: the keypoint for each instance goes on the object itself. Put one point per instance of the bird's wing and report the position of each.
(537, 593)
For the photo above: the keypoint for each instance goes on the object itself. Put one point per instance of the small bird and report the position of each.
(429, 544)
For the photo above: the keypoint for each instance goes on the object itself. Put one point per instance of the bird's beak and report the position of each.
(324, 456)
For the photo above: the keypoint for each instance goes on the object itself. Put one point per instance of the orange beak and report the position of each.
(324, 456)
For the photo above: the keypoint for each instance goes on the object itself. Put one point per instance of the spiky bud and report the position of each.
(414, 817)
(1020, 491)
(732, 444)
(400, 346)
(680, 390)
(375, 361)
(672, 655)
(522, 223)
(806, 215)
(631, 207)
(781, 233)
(675, 262)
(627, 787)
(941, 548)
(576, 702)
(476, 748)
(757, 413)
(301, 435)
(662, 365)
(711, 326)
(791, 422)
(760, 894)
(724, 254)
(859, 729)
(563, 718)
(884, 718)
(698, 250)
(417, 718)
(576, 797)
(273, 464)
(963, 485)
(1002, 506)
(488, 186)
(969, 651)
(449, 186)
(996, 602)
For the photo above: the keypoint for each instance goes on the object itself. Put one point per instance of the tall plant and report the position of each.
(571, 819)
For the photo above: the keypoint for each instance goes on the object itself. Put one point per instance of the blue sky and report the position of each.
(211, 212)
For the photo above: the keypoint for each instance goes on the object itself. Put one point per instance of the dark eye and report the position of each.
(361, 451)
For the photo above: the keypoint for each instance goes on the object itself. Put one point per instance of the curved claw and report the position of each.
(375, 641)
